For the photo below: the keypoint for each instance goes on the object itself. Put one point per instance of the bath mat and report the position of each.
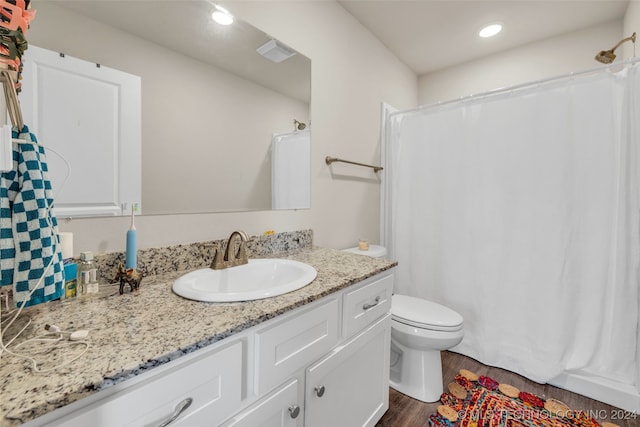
(480, 401)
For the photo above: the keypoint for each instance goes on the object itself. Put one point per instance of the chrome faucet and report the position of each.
(231, 257)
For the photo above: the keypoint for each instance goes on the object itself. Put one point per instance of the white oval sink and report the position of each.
(261, 278)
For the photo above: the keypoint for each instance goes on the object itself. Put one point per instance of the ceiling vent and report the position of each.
(275, 51)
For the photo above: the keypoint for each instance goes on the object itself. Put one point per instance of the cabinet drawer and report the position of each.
(213, 382)
(293, 343)
(364, 305)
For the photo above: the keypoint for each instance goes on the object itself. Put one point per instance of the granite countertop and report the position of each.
(132, 333)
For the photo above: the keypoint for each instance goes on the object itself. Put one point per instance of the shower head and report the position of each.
(299, 125)
(607, 56)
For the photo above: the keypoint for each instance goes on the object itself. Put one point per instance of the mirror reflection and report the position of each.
(212, 106)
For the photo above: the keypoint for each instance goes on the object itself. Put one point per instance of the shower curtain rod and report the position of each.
(328, 160)
(513, 88)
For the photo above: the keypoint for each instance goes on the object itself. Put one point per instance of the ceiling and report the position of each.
(429, 35)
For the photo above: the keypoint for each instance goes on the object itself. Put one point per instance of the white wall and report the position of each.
(547, 58)
(631, 25)
(352, 73)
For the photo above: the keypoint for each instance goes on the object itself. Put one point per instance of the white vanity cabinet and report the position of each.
(335, 354)
(323, 364)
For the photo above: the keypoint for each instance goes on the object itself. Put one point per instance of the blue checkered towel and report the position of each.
(29, 240)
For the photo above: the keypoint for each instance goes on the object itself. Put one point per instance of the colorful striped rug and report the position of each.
(479, 401)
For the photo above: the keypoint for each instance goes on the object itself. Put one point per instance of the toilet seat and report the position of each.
(424, 314)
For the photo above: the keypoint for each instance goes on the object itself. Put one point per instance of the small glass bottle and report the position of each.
(87, 274)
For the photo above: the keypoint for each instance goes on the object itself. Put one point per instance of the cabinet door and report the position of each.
(282, 408)
(350, 386)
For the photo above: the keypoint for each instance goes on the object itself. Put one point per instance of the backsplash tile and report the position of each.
(156, 261)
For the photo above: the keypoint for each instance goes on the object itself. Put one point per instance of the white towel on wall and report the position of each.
(291, 170)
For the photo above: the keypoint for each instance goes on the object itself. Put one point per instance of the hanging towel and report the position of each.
(29, 242)
(291, 170)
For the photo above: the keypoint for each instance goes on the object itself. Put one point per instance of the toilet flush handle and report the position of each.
(375, 302)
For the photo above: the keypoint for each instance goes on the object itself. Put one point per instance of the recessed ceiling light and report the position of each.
(222, 16)
(490, 30)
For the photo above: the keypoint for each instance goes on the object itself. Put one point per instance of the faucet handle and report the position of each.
(242, 251)
(217, 259)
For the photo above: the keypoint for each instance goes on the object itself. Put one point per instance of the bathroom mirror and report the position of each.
(211, 104)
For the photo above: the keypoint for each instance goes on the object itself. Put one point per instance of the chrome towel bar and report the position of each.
(330, 160)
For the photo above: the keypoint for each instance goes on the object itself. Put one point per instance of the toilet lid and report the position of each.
(374, 251)
(424, 314)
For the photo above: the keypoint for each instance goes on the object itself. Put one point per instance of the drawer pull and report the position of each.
(294, 411)
(375, 302)
(180, 408)
(319, 390)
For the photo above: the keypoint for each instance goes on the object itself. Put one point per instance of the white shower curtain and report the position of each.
(519, 210)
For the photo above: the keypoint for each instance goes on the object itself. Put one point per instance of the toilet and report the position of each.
(420, 330)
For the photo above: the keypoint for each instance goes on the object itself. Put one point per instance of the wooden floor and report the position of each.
(407, 412)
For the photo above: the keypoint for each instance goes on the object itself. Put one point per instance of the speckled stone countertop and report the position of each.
(133, 333)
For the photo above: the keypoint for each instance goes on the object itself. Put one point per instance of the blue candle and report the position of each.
(132, 245)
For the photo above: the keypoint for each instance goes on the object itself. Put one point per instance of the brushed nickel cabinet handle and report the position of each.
(294, 411)
(375, 302)
(180, 408)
